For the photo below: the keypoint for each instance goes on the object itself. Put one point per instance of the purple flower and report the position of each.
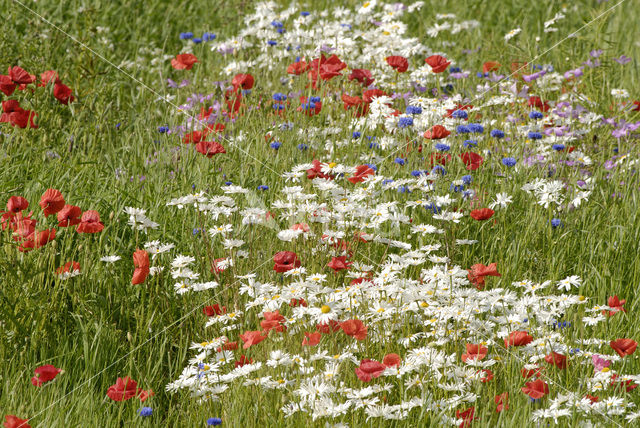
(619, 133)
(595, 53)
(622, 60)
(577, 72)
(592, 64)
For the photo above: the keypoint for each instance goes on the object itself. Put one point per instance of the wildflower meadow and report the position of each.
(321, 214)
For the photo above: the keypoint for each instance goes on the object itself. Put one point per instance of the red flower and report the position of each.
(361, 75)
(311, 339)
(214, 310)
(527, 373)
(141, 267)
(123, 389)
(391, 360)
(285, 260)
(143, 394)
(592, 398)
(195, 136)
(316, 171)
(398, 63)
(362, 172)
(273, 321)
(6, 85)
(502, 402)
(20, 76)
(37, 240)
(298, 302)
(482, 214)
(251, 338)
(339, 263)
(558, 360)
(370, 94)
(184, 61)
(474, 352)
(51, 202)
(243, 360)
(44, 374)
(439, 158)
(48, 77)
(488, 375)
(244, 81)
(537, 102)
(613, 302)
(518, 338)
(490, 66)
(90, 222)
(369, 369)
(63, 93)
(15, 204)
(68, 267)
(437, 63)
(17, 116)
(361, 107)
(624, 346)
(466, 416)
(536, 389)
(479, 271)
(69, 215)
(297, 68)
(626, 385)
(331, 327)
(436, 132)
(354, 328)
(210, 148)
(13, 421)
(471, 160)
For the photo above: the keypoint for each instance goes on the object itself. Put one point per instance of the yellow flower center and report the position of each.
(325, 309)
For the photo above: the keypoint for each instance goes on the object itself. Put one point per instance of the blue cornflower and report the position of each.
(535, 115)
(455, 69)
(405, 122)
(480, 74)
(118, 125)
(371, 137)
(281, 30)
(509, 162)
(456, 187)
(496, 133)
(403, 189)
(573, 351)
(214, 421)
(305, 13)
(374, 145)
(263, 187)
(460, 114)
(467, 179)
(278, 96)
(275, 145)
(475, 127)
(556, 222)
(558, 147)
(197, 40)
(196, 231)
(372, 166)
(442, 147)
(278, 107)
(302, 147)
(145, 411)
(439, 169)
(399, 161)
(387, 181)
(315, 99)
(272, 42)
(534, 135)
(414, 110)
(356, 134)
(186, 36)
(277, 24)
(417, 173)
(433, 208)
(468, 194)
(207, 37)
(163, 129)
(470, 143)
(462, 129)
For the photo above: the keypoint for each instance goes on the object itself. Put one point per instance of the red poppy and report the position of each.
(518, 338)
(210, 148)
(311, 339)
(490, 66)
(437, 63)
(214, 310)
(369, 369)
(20, 76)
(219, 265)
(12, 421)
(558, 360)
(536, 389)
(370, 94)
(482, 214)
(69, 215)
(436, 132)
(230, 346)
(243, 360)
(439, 158)
(15, 204)
(16, 115)
(502, 402)
(51, 202)
(90, 222)
(354, 328)
(22, 226)
(195, 136)
(297, 68)
(392, 360)
(251, 338)
(339, 263)
(472, 160)
(68, 267)
(38, 239)
(466, 416)
(362, 172)
(474, 352)
(141, 267)
(624, 347)
(124, 389)
(615, 304)
(537, 102)
(298, 302)
(398, 63)
(44, 374)
(362, 75)
(273, 321)
(623, 384)
(244, 81)
(479, 271)
(6, 85)
(592, 398)
(487, 375)
(184, 61)
(285, 260)
(144, 394)
(527, 373)
(63, 93)
(47, 77)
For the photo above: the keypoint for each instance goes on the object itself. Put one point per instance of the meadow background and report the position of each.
(104, 152)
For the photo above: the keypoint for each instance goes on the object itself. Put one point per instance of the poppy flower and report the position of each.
(613, 302)
(273, 321)
(298, 302)
(243, 360)
(555, 359)
(349, 101)
(311, 339)
(69, 267)
(487, 375)
(214, 310)
(527, 373)
(69, 215)
(251, 338)
(354, 328)
(472, 160)
(15, 204)
(44, 374)
(38, 239)
(482, 214)
(90, 222)
(502, 401)
(244, 81)
(536, 389)
(210, 148)
(474, 352)
(184, 61)
(538, 103)
(339, 263)
(141, 267)
(51, 202)
(16, 115)
(398, 63)
(285, 260)
(369, 369)
(63, 93)
(331, 327)
(392, 360)
(466, 416)
(6, 85)
(124, 389)
(624, 347)
(592, 398)
(490, 66)
(626, 385)
(195, 136)
(297, 68)
(436, 132)
(370, 94)
(479, 271)
(12, 421)
(437, 63)
(144, 394)
(19, 76)
(47, 77)
(518, 338)
(361, 75)
(439, 158)
(362, 172)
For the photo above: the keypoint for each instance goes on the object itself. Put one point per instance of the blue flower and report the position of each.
(470, 143)
(442, 147)
(275, 145)
(278, 107)
(468, 194)
(475, 127)
(228, 183)
(207, 37)
(535, 115)
(534, 135)
(277, 24)
(509, 162)
(417, 173)
(405, 122)
(145, 411)
(556, 222)
(315, 99)
(356, 134)
(387, 181)
(403, 189)
(414, 110)
(279, 96)
(163, 129)
(302, 147)
(558, 147)
(467, 179)
(456, 187)
(214, 421)
(462, 129)
(305, 13)
(263, 187)
(496, 133)
(433, 208)
(372, 166)
(374, 145)
(186, 36)
(196, 231)
(439, 169)
(454, 69)
(272, 42)
(399, 161)
(460, 114)
(197, 40)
